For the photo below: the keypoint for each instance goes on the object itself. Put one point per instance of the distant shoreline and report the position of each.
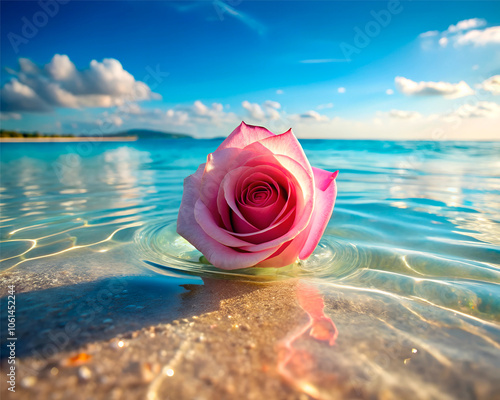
(69, 139)
(135, 138)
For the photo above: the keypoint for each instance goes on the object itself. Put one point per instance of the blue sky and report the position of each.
(378, 70)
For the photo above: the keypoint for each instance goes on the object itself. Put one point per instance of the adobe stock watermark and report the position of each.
(11, 338)
(363, 37)
(30, 27)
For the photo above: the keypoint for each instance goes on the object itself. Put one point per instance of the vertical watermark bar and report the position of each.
(11, 338)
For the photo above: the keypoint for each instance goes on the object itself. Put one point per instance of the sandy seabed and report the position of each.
(153, 337)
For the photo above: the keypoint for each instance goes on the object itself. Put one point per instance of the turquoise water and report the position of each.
(416, 227)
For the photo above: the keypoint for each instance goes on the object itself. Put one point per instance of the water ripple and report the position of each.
(413, 219)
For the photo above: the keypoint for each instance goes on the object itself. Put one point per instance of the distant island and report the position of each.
(127, 136)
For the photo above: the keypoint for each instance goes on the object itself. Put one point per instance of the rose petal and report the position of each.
(241, 226)
(211, 207)
(219, 255)
(305, 198)
(231, 183)
(227, 214)
(216, 167)
(263, 216)
(228, 188)
(258, 193)
(283, 231)
(287, 254)
(289, 203)
(274, 233)
(261, 213)
(285, 144)
(260, 185)
(244, 135)
(281, 258)
(267, 175)
(326, 192)
(206, 221)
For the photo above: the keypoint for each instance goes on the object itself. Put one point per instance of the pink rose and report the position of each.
(256, 201)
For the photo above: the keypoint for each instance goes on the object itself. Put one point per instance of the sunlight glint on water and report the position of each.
(419, 220)
(408, 268)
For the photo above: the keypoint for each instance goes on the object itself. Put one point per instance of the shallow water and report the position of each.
(408, 268)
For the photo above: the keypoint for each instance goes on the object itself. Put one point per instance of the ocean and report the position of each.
(408, 268)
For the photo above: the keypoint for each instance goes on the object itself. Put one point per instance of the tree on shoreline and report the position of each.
(14, 134)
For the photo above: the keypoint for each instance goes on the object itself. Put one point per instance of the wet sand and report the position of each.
(141, 336)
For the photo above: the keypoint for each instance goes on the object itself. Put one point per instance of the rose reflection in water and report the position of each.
(296, 364)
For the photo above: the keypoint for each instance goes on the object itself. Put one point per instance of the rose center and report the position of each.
(258, 194)
(261, 199)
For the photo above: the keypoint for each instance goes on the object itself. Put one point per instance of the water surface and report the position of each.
(409, 266)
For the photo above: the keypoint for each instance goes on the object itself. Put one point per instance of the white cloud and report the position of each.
(272, 104)
(466, 25)
(193, 119)
(460, 124)
(131, 108)
(117, 121)
(481, 109)
(61, 68)
(176, 118)
(491, 85)
(279, 91)
(60, 84)
(113, 119)
(341, 90)
(199, 108)
(480, 37)
(475, 67)
(443, 42)
(16, 96)
(389, 92)
(273, 114)
(401, 114)
(445, 89)
(324, 106)
(464, 32)
(254, 110)
(271, 108)
(214, 113)
(429, 34)
(261, 112)
(204, 120)
(310, 115)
